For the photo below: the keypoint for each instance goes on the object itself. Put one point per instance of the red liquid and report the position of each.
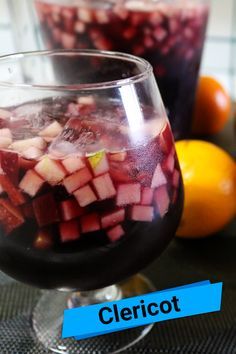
(170, 35)
(76, 212)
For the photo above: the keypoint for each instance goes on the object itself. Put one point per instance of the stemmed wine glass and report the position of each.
(91, 190)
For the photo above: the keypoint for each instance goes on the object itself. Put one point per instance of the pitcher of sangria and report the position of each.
(168, 33)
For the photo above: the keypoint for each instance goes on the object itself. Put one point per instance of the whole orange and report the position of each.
(212, 107)
(209, 176)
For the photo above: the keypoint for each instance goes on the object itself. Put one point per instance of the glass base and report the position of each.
(48, 316)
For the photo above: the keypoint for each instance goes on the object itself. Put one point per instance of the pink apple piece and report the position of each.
(99, 163)
(31, 183)
(129, 193)
(5, 132)
(77, 180)
(158, 178)
(79, 27)
(4, 114)
(68, 40)
(5, 142)
(69, 230)
(73, 109)
(169, 162)
(32, 153)
(85, 15)
(22, 145)
(147, 195)
(104, 186)
(85, 196)
(141, 213)
(161, 200)
(50, 170)
(90, 223)
(73, 163)
(69, 209)
(86, 100)
(102, 16)
(115, 233)
(112, 218)
(51, 131)
(175, 178)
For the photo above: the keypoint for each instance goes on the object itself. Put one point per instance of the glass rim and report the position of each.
(147, 69)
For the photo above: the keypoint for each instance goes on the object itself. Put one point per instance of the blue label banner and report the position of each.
(193, 299)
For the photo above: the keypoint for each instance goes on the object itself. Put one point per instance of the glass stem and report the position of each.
(83, 298)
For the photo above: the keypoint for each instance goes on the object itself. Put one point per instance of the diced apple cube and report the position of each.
(5, 142)
(90, 223)
(73, 109)
(118, 156)
(104, 186)
(147, 195)
(52, 130)
(6, 133)
(129, 193)
(44, 239)
(14, 194)
(169, 162)
(45, 210)
(99, 163)
(115, 233)
(70, 209)
(68, 40)
(86, 100)
(166, 139)
(176, 178)
(50, 170)
(5, 138)
(32, 153)
(113, 218)
(85, 196)
(69, 230)
(161, 200)
(21, 145)
(73, 163)
(31, 183)
(85, 15)
(79, 27)
(77, 180)
(4, 114)
(141, 213)
(10, 216)
(102, 16)
(158, 178)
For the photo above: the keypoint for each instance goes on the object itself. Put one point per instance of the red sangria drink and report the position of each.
(91, 190)
(169, 34)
